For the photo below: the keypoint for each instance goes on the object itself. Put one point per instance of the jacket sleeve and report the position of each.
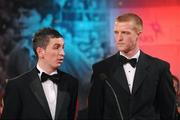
(95, 99)
(166, 94)
(72, 114)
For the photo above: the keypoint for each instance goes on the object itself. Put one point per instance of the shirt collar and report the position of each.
(41, 71)
(134, 56)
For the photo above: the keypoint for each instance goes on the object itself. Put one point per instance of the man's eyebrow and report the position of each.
(62, 44)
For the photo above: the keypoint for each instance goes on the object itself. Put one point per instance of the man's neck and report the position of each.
(130, 54)
(45, 68)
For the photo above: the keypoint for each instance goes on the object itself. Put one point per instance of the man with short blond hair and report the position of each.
(131, 85)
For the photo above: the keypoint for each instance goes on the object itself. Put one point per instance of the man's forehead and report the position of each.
(130, 23)
(57, 40)
(124, 25)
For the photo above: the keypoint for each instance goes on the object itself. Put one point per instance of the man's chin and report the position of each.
(56, 67)
(123, 49)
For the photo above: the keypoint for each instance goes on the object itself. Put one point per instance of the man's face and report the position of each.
(126, 36)
(53, 55)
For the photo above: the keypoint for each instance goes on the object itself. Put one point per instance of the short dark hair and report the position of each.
(41, 37)
(131, 17)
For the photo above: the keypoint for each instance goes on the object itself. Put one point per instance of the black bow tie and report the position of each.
(132, 61)
(54, 78)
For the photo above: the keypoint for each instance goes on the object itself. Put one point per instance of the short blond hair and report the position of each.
(131, 17)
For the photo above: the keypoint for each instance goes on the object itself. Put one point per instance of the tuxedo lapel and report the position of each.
(118, 73)
(141, 72)
(120, 77)
(62, 95)
(37, 90)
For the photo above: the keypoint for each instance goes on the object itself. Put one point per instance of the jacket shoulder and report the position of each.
(20, 81)
(105, 63)
(68, 78)
(160, 63)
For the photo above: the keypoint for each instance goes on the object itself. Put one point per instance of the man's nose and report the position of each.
(119, 37)
(61, 52)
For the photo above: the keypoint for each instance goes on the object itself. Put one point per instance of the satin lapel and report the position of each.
(62, 96)
(120, 77)
(37, 90)
(118, 73)
(141, 72)
(60, 101)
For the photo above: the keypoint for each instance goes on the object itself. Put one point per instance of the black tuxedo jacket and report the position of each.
(152, 97)
(25, 99)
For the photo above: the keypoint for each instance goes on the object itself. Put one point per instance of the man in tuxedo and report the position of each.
(131, 85)
(44, 92)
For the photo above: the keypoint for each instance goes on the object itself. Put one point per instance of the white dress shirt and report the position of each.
(130, 71)
(50, 90)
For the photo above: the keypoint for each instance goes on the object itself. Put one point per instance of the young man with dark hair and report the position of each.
(44, 92)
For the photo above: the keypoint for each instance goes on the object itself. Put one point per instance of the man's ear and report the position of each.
(40, 51)
(139, 33)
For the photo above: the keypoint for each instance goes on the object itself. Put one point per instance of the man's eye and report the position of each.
(116, 32)
(56, 47)
(125, 32)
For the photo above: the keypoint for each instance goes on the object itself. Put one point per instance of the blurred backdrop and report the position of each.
(87, 26)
